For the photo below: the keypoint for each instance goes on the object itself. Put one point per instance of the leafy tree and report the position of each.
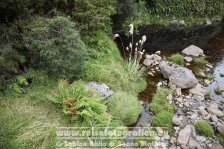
(55, 45)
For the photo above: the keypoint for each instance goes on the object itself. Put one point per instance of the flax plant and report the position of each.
(135, 53)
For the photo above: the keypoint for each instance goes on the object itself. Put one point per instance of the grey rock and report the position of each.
(204, 113)
(148, 62)
(193, 50)
(209, 66)
(177, 120)
(100, 88)
(193, 144)
(159, 131)
(180, 76)
(220, 129)
(214, 105)
(197, 90)
(217, 146)
(184, 136)
(188, 59)
(214, 118)
(200, 138)
(178, 92)
(216, 112)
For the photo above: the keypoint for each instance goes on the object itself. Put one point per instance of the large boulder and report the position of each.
(100, 88)
(193, 50)
(180, 76)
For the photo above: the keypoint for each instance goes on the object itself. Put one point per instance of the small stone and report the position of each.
(214, 118)
(148, 62)
(159, 84)
(193, 144)
(173, 140)
(194, 116)
(186, 104)
(188, 59)
(216, 112)
(178, 92)
(159, 131)
(204, 114)
(176, 128)
(214, 105)
(188, 64)
(217, 146)
(200, 138)
(209, 66)
(167, 137)
(208, 22)
(151, 74)
(207, 81)
(177, 121)
(220, 129)
(198, 98)
(169, 97)
(179, 99)
(197, 90)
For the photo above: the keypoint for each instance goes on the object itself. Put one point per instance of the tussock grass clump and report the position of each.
(160, 103)
(200, 61)
(125, 107)
(162, 119)
(218, 91)
(177, 59)
(204, 128)
(208, 96)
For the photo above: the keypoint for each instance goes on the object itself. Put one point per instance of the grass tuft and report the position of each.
(204, 128)
(177, 59)
(125, 107)
(200, 61)
(160, 103)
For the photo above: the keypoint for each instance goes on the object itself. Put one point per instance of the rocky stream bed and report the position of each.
(190, 97)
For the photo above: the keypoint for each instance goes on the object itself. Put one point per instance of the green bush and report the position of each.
(200, 61)
(94, 15)
(78, 103)
(177, 59)
(162, 119)
(195, 8)
(160, 103)
(55, 45)
(125, 107)
(204, 128)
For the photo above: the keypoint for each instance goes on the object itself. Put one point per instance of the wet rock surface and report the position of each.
(180, 76)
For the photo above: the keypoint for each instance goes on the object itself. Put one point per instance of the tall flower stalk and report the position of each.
(134, 56)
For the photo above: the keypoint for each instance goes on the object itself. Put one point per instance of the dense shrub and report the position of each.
(202, 8)
(55, 45)
(177, 59)
(204, 128)
(12, 58)
(125, 107)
